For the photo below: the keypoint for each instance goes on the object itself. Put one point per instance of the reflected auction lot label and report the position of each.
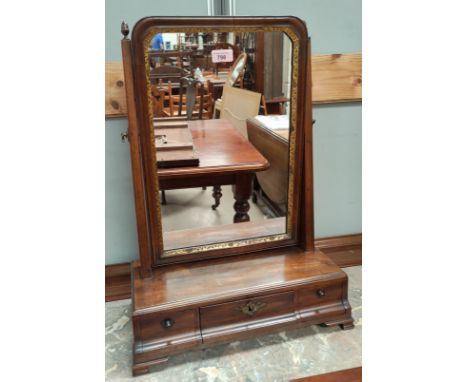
(222, 55)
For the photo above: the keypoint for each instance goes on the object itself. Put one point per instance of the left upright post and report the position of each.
(144, 244)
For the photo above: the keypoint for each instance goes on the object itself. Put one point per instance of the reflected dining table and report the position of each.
(226, 158)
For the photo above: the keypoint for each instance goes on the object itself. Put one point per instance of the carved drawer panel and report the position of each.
(244, 315)
(320, 301)
(159, 330)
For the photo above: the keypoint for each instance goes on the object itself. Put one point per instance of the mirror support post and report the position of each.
(307, 221)
(135, 154)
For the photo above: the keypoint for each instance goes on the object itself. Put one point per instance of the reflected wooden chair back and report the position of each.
(158, 97)
(238, 105)
(237, 71)
(192, 101)
(166, 73)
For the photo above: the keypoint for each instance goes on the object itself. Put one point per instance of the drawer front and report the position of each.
(321, 300)
(246, 314)
(162, 329)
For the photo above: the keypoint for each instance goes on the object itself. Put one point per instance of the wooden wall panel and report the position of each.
(116, 105)
(345, 251)
(335, 78)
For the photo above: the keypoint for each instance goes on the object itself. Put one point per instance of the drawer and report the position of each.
(321, 300)
(247, 314)
(157, 330)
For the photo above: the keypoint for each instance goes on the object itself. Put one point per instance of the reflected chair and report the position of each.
(158, 98)
(274, 106)
(165, 81)
(166, 73)
(192, 100)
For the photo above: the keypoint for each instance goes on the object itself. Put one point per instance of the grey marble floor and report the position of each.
(276, 357)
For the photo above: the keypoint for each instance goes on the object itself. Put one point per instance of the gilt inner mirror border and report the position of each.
(142, 35)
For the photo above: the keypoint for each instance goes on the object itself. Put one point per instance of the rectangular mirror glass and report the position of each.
(222, 105)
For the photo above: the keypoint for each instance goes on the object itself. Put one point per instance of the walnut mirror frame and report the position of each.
(146, 182)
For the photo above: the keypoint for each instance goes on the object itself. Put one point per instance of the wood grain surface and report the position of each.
(213, 281)
(336, 78)
(345, 251)
(221, 149)
(116, 105)
(235, 298)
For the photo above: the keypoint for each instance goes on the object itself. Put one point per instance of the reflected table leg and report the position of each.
(242, 190)
(216, 196)
(163, 197)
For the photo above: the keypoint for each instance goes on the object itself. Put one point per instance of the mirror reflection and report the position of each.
(221, 111)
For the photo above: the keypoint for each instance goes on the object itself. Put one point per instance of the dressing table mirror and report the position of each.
(224, 204)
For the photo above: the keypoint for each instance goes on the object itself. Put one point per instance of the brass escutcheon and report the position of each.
(252, 307)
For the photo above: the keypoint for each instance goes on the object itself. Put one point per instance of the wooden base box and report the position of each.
(189, 306)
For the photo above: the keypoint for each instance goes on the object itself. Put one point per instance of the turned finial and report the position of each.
(124, 29)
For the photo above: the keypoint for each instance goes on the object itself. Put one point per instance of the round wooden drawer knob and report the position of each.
(167, 323)
(321, 293)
